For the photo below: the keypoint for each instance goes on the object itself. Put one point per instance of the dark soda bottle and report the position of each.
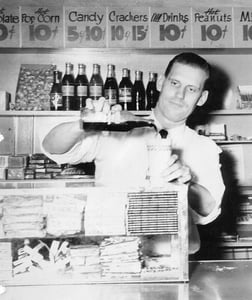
(125, 90)
(56, 92)
(96, 83)
(68, 88)
(81, 88)
(151, 91)
(138, 92)
(111, 86)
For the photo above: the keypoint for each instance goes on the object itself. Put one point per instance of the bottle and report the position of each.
(138, 92)
(81, 88)
(151, 91)
(56, 92)
(68, 88)
(125, 90)
(96, 83)
(111, 86)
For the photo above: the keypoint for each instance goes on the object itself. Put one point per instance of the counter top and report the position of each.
(220, 280)
(209, 280)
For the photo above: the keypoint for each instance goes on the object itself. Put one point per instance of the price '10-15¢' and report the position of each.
(137, 33)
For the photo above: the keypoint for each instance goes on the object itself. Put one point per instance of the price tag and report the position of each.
(128, 27)
(212, 27)
(243, 27)
(170, 27)
(85, 27)
(9, 26)
(42, 27)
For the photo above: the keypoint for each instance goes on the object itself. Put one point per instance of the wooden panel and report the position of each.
(24, 135)
(8, 132)
(247, 151)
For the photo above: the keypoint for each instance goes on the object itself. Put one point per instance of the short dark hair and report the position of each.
(192, 59)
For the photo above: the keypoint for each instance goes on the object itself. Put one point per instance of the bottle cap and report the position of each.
(139, 75)
(125, 72)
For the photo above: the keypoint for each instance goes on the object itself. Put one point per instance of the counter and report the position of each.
(209, 280)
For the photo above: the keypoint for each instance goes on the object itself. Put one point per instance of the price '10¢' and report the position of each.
(6, 33)
(42, 32)
(213, 32)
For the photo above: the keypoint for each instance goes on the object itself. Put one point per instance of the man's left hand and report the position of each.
(177, 171)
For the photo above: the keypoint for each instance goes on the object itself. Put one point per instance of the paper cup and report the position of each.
(159, 153)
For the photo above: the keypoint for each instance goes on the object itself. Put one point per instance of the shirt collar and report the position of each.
(176, 133)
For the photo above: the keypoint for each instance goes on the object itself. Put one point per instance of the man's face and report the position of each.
(181, 91)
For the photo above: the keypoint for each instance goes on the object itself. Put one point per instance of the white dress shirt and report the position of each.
(121, 159)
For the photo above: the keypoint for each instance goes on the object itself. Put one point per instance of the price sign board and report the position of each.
(128, 27)
(85, 27)
(170, 27)
(9, 26)
(212, 27)
(243, 27)
(42, 27)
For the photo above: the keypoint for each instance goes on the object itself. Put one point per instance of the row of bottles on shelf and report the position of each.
(70, 93)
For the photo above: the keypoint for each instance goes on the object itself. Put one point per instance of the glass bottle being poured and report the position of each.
(100, 115)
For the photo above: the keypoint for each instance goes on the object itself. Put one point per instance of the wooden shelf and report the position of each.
(45, 183)
(140, 113)
(232, 112)
(228, 142)
(236, 244)
(120, 50)
(45, 113)
(41, 113)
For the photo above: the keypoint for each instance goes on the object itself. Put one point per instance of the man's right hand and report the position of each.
(101, 111)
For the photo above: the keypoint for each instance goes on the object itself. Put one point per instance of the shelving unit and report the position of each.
(24, 130)
(224, 112)
(31, 118)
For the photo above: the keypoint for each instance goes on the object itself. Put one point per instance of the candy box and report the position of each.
(33, 87)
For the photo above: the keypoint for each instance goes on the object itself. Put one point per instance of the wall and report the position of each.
(232, 64)
(234, 68)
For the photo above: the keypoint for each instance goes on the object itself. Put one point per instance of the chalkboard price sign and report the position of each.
(85, 27)
(9, 27)
(170, 27)
(42, 27)
(243, 26)
(212, 27)
(128, 28)
(166, 26)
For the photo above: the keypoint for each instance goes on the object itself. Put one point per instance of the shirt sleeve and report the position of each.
(82, 151)
(207, 172)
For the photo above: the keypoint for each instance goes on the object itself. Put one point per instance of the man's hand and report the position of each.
(176, 171)
(101, 111)
(96, 110)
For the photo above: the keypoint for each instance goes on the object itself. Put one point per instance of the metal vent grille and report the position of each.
(152, 213)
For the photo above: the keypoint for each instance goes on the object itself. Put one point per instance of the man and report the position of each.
(122, 158)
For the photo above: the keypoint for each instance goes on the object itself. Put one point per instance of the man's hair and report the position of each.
(191, 59)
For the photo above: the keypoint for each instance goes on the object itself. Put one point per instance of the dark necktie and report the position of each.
(163, 133)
